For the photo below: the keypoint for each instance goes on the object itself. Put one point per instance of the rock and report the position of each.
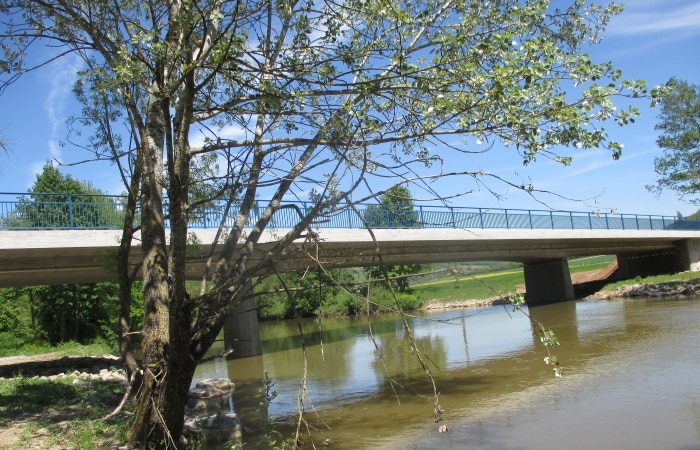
(215, 386)
(677, 289)
(210, 395)
(209, 412)
(215, 428)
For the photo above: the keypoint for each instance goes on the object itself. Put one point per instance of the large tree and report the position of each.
(326, 97)
(80, 312)
(56, 200)
(395, 210)
(679, 122)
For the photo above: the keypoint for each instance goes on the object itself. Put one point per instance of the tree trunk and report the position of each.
(153, 425)
(31, 308)
(125, 278)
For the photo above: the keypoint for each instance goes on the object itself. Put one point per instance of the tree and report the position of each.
(316, 292)
(679, 121)
(326, 99)
(395, 210)
(61, 201)
(79, 312)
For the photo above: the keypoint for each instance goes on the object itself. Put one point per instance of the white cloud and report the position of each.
(657, 17)
(233, 132)
(60, 84)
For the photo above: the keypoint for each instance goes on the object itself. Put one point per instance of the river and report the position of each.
(631, 378)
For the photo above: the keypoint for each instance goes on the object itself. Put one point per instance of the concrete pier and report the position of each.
(547, 282)
(683, 256)
(241, 330)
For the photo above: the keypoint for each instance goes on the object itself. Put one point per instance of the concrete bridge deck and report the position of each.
(36, 257)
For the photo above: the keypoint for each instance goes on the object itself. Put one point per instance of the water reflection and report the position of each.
(489, 369)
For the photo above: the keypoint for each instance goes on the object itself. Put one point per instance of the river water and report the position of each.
(631, 378)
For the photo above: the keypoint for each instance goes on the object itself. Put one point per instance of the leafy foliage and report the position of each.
(679, 122)
(396, 210)
(71, 312)
(312, 293)
(61, 201)
(80, 312)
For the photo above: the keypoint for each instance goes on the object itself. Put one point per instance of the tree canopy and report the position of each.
(60, 201)
(679, 122)
(395, 210)
(314, 100)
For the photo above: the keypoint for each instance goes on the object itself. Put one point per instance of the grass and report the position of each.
(483, 285)
(67, 349)
(471, 287)
(63, 412)
(655, 279)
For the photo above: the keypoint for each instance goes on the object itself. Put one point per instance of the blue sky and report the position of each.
(651, 40)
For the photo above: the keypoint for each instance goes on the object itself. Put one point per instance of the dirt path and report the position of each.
(55, 363)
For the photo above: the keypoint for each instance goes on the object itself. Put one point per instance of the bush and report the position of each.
(9, 343)
(343, 304)
(382, 300)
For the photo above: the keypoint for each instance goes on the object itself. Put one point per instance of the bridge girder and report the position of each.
(83, 256)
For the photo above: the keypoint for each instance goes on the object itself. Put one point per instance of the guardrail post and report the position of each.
(551, 218)
(529, 216)
(481, 219)
(507, 224)
(571, 218)
(70, 211)
(636, 220)
(590, 222)
(607, 224)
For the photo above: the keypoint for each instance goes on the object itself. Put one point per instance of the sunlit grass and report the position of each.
(480, 286)
(655, 279)
(71, 348)
(49, 404)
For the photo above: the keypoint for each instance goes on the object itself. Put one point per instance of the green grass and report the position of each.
(590, 263)
(487, 285)
(53, 403)
(68, 349)
(471, 287)
(656, 279)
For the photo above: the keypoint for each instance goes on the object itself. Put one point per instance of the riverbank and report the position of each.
(686, 288)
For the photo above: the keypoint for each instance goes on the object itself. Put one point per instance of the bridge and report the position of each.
(56, 239)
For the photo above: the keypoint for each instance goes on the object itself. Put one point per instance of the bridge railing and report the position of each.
(73, 211)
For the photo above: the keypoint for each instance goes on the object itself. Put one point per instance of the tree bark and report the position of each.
(151, 428)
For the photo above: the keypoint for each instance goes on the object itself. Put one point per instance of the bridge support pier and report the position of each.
(241, 331)
(547, 282)
(685, 256)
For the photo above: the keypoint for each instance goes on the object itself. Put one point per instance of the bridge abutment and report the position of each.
(547, 282)
(683, 257)
(241, 330)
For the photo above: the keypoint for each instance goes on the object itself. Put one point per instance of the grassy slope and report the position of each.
(497, 284)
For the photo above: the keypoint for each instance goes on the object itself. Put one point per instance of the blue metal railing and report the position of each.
(77, 211)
